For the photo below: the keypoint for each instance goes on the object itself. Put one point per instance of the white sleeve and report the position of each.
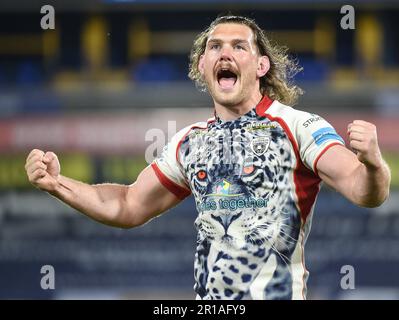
(314, 135)
(168, 169)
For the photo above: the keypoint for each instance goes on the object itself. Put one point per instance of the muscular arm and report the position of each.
(118, 205)
(363, 178)
(112, 204)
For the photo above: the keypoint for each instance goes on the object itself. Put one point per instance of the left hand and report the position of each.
(363, 140)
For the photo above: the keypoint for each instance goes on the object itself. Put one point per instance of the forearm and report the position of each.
(104, 203)
(370, 185)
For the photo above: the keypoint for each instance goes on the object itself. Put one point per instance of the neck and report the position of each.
(228, 113)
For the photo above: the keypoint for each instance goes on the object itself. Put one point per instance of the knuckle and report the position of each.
(37, 152)
(37, 164)
(34, 158)
(40, 173)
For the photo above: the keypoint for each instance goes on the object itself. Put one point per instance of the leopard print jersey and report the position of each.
(254, 189)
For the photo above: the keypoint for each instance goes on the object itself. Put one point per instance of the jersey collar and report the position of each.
(259, 109)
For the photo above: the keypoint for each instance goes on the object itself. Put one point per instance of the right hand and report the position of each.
(43, 169)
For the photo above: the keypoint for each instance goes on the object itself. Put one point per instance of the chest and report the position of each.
(245, 158)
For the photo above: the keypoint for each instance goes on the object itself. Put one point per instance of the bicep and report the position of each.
(148, 198)
(336, 168)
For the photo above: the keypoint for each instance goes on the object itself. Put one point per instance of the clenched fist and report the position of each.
(43, 169)
(363, 140)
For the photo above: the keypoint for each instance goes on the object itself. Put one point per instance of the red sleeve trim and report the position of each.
(180, 192)
(321, 153)
(306, 182)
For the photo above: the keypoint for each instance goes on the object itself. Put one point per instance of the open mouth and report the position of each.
(226, 79)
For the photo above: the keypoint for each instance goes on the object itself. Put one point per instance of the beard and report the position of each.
(226, 99)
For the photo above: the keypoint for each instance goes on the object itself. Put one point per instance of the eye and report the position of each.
(240, 47)
(201, 175)
(248, 169)
(214, 46)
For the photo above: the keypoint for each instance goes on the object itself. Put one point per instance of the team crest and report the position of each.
(259, 145)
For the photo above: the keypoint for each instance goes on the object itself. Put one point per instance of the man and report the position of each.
(254, 170)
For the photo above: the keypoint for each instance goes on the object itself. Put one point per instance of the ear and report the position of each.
(263, 66)
(201, 65)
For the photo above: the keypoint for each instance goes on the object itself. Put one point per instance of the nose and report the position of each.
(226, 220)
(225, 54)
(227, 237)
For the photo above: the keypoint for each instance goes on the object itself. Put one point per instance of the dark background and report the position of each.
(101, 89)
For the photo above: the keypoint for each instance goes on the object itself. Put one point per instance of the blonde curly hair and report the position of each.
(276, 83)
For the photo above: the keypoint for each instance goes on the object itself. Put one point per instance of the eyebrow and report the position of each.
(234, 41)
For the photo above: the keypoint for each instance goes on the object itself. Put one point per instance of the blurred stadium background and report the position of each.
(92, 89)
